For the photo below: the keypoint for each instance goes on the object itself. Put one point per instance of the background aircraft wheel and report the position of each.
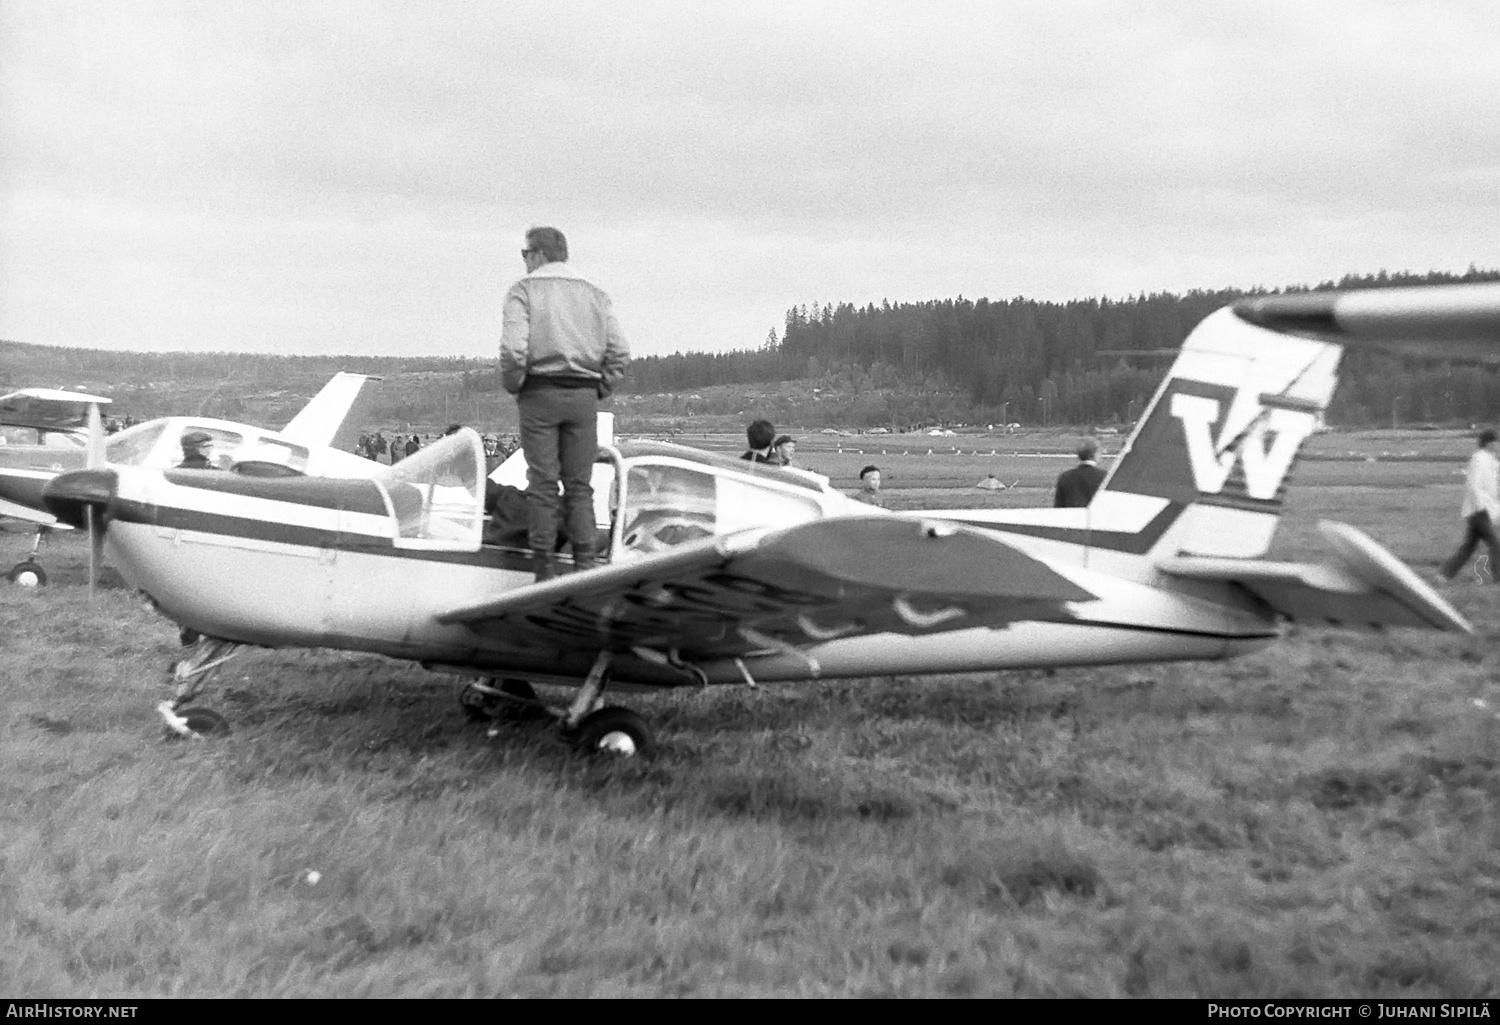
(617, 731)
(477, 705)
(205, 721)
(27, 574)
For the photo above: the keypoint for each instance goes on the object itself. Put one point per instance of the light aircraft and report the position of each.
(314, 442)
(55, 417)
(721, 571)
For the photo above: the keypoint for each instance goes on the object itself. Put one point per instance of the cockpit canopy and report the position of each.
(437, 494)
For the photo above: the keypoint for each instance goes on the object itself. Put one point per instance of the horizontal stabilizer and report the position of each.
(1456, 321)
(1362, 584)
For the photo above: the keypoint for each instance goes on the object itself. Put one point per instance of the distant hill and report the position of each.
(1083, 362)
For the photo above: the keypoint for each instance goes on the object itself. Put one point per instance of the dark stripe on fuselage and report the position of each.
(168, 517)
(353, 495)
(1139, 543)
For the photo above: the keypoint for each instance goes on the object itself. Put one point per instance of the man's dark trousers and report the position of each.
(1478, 528)
(559, 436)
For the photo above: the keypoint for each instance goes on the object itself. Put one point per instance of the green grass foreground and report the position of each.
(1320, 819)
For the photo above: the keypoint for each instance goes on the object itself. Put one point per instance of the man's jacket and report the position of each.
(557, 325)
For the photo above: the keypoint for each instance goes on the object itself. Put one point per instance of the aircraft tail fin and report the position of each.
(333, 416)
(1221, 436)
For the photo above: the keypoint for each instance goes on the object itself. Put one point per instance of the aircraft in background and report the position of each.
(314, 442)
(721, 571)
(49, 417)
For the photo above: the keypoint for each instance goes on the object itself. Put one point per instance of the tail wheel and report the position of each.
(614, 731)
(204, 721)
(27, 574)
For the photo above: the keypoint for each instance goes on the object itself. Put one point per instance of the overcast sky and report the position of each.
(357, 177)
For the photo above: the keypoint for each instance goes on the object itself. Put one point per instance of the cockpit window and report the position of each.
(437, 494)
(667, 505)
(223, 450)
(267, 450)
(132, 445)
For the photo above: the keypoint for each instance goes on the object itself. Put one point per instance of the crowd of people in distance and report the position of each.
(497, 448)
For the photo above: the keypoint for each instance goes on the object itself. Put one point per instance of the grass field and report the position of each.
(1322, 818)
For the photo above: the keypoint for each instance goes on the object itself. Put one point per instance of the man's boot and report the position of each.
(584, 560)
(544, 565)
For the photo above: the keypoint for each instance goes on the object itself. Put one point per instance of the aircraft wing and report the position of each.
(1452, 321)
(332, 417)
(1363, 585)
(25, 512)
(763, 590)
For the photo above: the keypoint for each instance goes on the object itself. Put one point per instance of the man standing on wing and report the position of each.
(1481, 508)
(560, 353)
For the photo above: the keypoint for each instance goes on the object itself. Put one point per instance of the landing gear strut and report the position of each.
(28, 572)
(590, 725)
(191, 676)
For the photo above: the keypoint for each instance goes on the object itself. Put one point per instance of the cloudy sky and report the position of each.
(356, 177)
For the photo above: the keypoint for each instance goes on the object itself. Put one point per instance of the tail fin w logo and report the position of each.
(1227, 425)
(1191, 449)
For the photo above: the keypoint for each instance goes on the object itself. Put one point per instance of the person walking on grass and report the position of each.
(1480, 510)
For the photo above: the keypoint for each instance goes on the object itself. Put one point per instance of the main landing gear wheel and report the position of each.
(614, 731)
(204, 722)
(27, 574)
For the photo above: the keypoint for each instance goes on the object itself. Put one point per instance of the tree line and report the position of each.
(1087, 361)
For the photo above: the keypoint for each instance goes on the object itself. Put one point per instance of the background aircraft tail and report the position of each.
(334, 416)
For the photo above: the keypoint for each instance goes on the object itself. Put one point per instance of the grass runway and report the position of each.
(1319, 819)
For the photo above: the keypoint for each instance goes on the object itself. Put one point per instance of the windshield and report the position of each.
(133, 444)
(437, 494)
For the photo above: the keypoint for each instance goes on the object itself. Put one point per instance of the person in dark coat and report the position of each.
(760, 436)
(1076, 487)
(195, 445)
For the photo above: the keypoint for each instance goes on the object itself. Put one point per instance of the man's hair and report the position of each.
(760, 434)
(549, 242)
(1488, 436)
(872, 468)
(453, 429)
(1088, 449)
(782, 439)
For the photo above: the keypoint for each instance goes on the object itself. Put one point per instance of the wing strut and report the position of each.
(775, 644)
